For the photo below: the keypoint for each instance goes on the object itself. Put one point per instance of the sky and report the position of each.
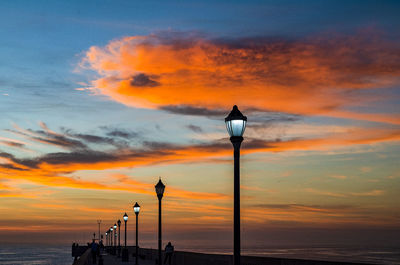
(98, 99)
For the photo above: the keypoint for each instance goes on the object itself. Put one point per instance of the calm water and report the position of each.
(62, 255)
(43, 255)
(377, 255)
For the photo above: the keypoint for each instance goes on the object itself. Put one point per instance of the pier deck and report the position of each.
(113, 260)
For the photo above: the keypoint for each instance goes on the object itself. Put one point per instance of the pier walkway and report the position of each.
(113, 260)
(149, 256)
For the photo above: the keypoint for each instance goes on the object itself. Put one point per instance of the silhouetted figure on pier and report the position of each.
(95, 250)
(169, 250)
(74, 247)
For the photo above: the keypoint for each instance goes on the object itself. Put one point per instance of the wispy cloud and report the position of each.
(371, 193)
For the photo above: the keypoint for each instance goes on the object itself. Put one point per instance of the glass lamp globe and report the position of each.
(115, 226)
(125, 217)
(111, 229)
(119, 222)
(235, 122)
(136, 208)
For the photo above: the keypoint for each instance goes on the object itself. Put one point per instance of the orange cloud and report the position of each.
(317, 76)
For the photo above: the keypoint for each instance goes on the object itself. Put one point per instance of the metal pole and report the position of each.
(159, 231)
(236, 142)
(125, 234)
(99, 222)
(119, 239)
(137, 247)
(115, 241)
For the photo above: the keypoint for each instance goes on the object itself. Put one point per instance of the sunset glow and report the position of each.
(97, 105)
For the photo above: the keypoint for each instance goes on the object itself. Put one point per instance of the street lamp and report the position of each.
(115, 239)
(125, 253)
(136, 209)
(99, 222)
(107, 238)
(236, 124)
(111, 236)
(160, 192)
(119, 238)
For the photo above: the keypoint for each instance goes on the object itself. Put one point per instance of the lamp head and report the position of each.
(160, 189)
(125, 217)
(235, 122)
(115, 226)
(119, 223)
(136, 208)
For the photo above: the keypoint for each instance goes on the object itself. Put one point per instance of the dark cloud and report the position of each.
(268, 117)
(194, 128)
(143, 80)
(48, 137)
(31, 163)
(160, 145)
(13, 144)
(194, 111)
(95, 139)
(61, 141)
(121, 133)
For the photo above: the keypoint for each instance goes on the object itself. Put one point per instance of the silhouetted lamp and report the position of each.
(111, 235)
(125, 254)
(136, 209)
(106, 238)
(235, 125)
(160, 189)
(160, 192)
(119, 237)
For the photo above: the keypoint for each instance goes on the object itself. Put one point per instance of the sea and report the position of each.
(61, 255)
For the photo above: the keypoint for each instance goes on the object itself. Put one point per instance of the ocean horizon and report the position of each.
(61, 255)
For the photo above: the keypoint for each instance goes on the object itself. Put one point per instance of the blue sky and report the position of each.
(316, 155)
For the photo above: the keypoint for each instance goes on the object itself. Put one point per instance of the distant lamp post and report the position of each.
(99, 222)
(236, 124)
(125, 253)
(115, 239)
(119, 238)
(111, 236)
(136, 209)
(160, 192)
(106, 238)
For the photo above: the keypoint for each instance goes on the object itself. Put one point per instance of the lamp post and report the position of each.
(115, 239)
(119, 238)
(99, 222)
(136, 209)
(160, 192)
(111, 236)
(125, 253)
(106, 238)
(236, 124)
